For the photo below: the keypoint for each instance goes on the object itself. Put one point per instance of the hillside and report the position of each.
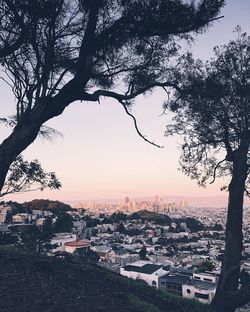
(41, 284)
(151, 216)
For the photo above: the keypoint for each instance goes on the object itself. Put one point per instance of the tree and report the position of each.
(194, 225)
(54, 206)
(212, 113)
(15, 25)
(143, 253)
(82, 50)
(244, 277)
(37, 241)
(121, 228)
(63, 223)
(24, 176)
(116, 217)
(206, 266)
(86, 256)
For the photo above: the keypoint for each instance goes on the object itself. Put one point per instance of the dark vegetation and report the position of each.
(146, 215)
(25, 176)
(41, 284)
(46, 204)
(211, 112)
(38, 204)
(159, 218)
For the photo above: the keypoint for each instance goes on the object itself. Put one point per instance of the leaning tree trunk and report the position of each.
(230, 271)
(28, 127)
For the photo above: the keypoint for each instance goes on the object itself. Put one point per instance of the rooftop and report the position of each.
(181, 271)
(78, 243)
(175, 279)
(201, 285)
(146, 269)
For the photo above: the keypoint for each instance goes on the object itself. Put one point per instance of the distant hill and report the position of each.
(46, 204)
(159, 218)
(42, 284)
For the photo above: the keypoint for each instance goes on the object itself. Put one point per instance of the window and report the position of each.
(201, 296)
(207, 280)
(154, 283)
(163, 284)
(188, 291)
(177, 288)
(197, 277)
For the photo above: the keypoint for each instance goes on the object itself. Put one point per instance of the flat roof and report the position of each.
(146, 269)
(201, 285)
(175, 279)
(181, 271)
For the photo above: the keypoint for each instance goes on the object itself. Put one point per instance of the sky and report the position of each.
(100, 155)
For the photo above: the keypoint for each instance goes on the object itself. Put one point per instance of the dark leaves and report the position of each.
(212, 112)
(27, 176)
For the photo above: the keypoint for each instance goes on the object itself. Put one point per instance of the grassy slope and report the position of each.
(29, 283)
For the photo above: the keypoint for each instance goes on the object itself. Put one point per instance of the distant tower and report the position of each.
(156, 204)
(128, 206)
(157, 200)
(127, 201)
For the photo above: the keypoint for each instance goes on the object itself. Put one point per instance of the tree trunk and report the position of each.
(230, 271)
(28, 127)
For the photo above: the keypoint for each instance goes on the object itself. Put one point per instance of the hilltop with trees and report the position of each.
(46, 204)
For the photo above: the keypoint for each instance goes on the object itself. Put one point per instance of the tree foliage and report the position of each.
(54, 206)
(37, 240)
(55, 52)
(212, 113)
(25, 176)
(64, 223)
(143, 253)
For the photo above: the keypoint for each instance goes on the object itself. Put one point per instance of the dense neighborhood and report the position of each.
(172, 247)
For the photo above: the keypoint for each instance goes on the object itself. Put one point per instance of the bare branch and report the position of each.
(215, 169)
(136, 127)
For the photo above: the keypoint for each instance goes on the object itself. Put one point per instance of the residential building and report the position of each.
(145, 271)
(202, 291)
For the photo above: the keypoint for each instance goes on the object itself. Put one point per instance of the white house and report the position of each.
(201, 291)
(144, 270)
(205, 277)
(21, 218)
(3, 217)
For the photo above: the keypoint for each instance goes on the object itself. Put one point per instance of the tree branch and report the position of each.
(215, 168)
(136, 127)
(84, 64)
(120, 98)
(7, 49)
(126, 97)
